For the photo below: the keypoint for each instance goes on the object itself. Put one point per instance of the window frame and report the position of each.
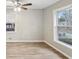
(55, 22)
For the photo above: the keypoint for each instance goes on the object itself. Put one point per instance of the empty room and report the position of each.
(39, 29)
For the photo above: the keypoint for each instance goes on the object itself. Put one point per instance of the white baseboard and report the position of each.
(57, 49)
(24, 40)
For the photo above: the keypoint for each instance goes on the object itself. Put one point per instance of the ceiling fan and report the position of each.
(19, 4)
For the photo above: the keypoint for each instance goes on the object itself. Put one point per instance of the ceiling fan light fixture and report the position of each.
(18, 5)
(15, 3)
(17, 9)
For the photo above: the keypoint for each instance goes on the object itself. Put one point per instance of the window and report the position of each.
(63, 25)
(10, 27)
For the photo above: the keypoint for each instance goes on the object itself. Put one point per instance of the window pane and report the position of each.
(65, 35)
(61, 18)
(64, 25)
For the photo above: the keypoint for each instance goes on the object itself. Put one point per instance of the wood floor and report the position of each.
(32, 51)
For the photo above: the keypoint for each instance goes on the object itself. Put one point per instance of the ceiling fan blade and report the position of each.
(24, 8)
(28, 4)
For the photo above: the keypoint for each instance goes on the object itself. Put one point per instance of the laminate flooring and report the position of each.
(16, 50)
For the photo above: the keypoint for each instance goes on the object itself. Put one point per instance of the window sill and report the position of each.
(64, 44)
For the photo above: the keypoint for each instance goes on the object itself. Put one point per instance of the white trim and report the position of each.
(24, 40)
(62, 8)
(62, 43)
(58, 50)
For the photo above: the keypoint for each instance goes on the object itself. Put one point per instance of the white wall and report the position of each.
(48, 27)
(28, 25)
(31, 25)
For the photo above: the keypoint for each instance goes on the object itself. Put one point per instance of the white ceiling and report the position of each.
(36, 4)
